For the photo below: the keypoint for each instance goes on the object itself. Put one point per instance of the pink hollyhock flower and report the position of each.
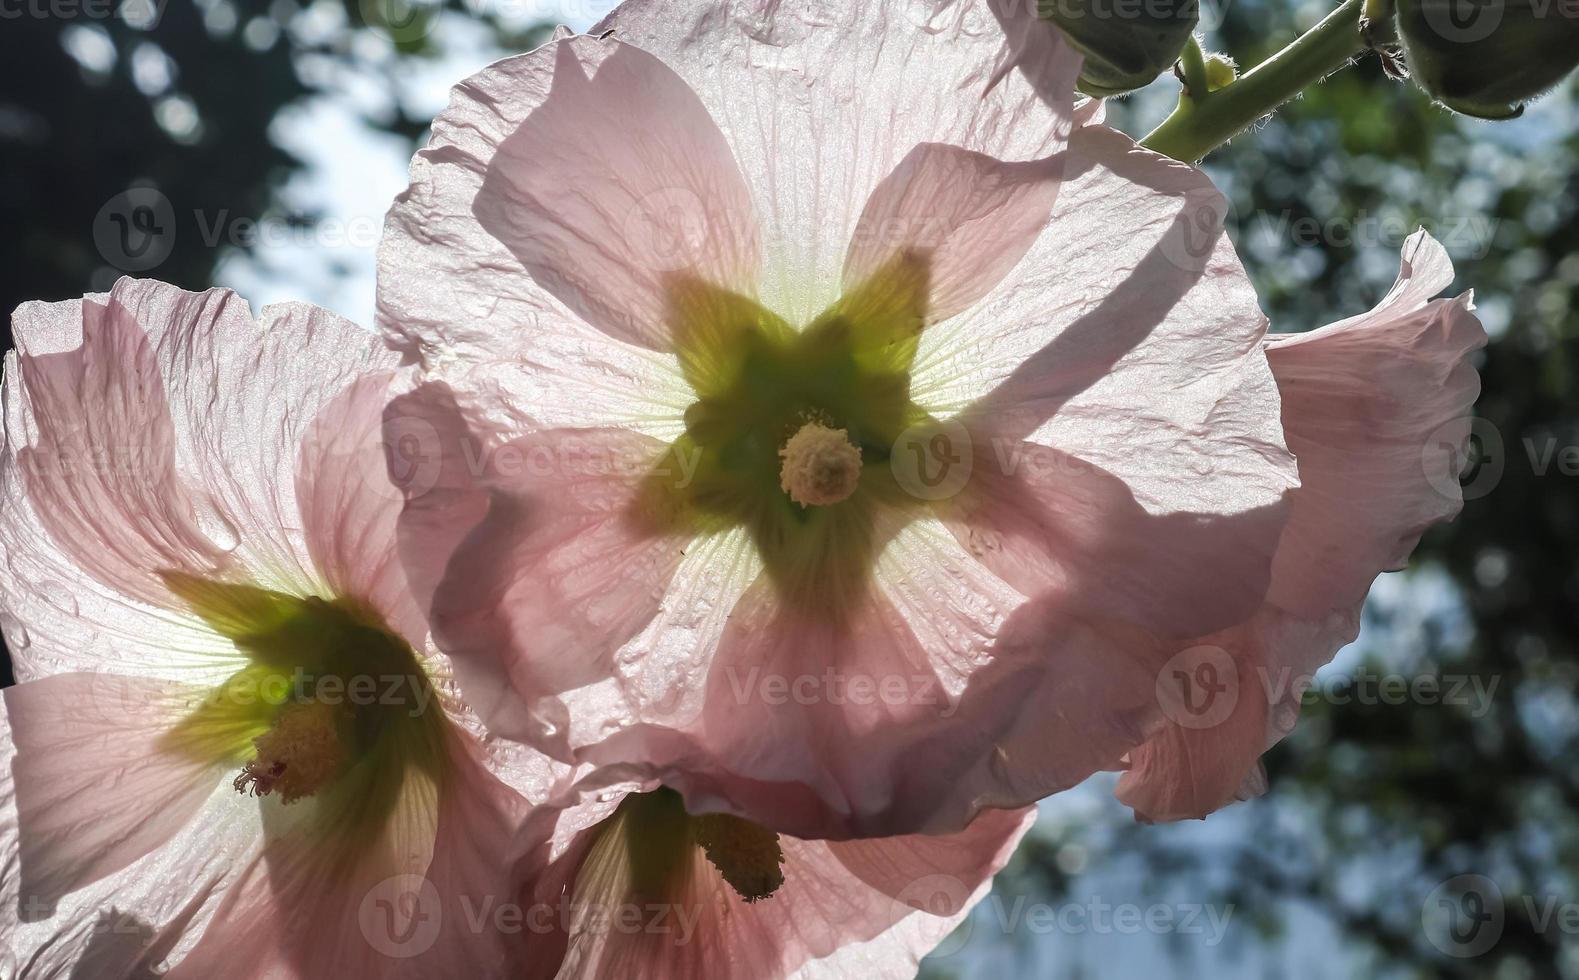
(231, 749)
(850, 446)
(624, 883)
(1376, 408)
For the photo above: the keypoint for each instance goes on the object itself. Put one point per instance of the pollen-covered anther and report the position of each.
(299, 755)
(820, 467)
(747, 855)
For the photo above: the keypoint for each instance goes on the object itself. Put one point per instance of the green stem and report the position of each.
(1194, 64)
(1377, 24)
(1204, 121)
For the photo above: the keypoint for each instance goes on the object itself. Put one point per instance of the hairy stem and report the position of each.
(1204, 120)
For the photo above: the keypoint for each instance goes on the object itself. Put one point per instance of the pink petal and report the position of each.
(1107, 342)
(939, 878)
(970, 216)
(968, 682)
(100, 473)
(1063, 529)
(111, 940)
(433, 458)
(415, 903)
(97, 788)
(1376, 409)
(587, 169)
(871, 908)
(559, 575)
(209, 411)
(821, 102)
(440, 459)
(126, 923)
(776, 715)
(349, 507)
(1214, 732)
(245, 394)
(1135, 421)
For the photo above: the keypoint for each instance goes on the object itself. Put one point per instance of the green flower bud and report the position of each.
(1126, 43)
(1485, 58)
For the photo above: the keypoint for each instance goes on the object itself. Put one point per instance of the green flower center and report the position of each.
(333, 706)
(792, 431)
(661, 843)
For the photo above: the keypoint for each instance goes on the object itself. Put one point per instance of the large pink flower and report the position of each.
(623, 882)
(230, 749)
(854, 444)
(1376, 407)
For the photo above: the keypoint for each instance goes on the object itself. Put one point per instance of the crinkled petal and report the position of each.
(614, 180)
(1377, 411)
(1007, 699)
(349, 506)
(789, 691)
(94, 445)
(1138, 352)
(128, 923)
(1376, 408)
(868, 908)
(585, 173)
(244, 394)
(308, 904)
(98, 784)
(437, 459)
(938, 879)
(58, 616)
(216, 407)
(1213, 730)
(777, 716)
(1060, 527)
(822, 101)
(552, 577)
(970, 216)
(1115, 397)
